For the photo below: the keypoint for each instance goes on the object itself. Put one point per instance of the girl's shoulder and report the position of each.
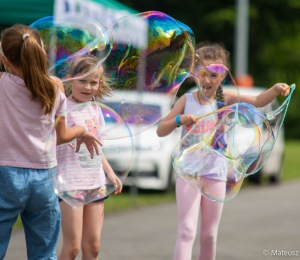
(189, 97)
(230, 97)
(59, 84)
(181, 101)
(178, 107)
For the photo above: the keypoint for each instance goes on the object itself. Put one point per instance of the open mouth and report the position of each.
(206, 88)
(85, 94)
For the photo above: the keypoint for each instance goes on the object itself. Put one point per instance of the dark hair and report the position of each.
(84, 65)
(214, 51)
(28, 55)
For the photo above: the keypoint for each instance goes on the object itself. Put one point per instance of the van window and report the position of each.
(130, 111)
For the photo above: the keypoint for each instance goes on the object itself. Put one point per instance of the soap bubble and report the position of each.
(67, 40)
(147, 60)
(241, 142)
(79, 179)
(150, 53)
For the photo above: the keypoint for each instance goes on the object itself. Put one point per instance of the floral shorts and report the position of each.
(94, 195)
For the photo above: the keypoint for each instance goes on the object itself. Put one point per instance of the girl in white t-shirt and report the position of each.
(82, 226)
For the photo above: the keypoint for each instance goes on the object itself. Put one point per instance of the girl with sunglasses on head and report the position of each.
(191, 105)
(30, 102)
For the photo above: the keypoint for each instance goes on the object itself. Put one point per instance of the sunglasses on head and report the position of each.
(214, 68)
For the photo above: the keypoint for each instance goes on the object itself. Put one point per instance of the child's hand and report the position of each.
(283, 89)
(187, 120)
(116, 182)
(90, 141)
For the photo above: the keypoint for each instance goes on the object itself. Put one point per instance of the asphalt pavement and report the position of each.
(260, 223)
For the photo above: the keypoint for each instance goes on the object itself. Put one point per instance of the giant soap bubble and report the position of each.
(67, 40)
(153, 56)
(216, 163)
(79, 179)
(154, 61)
(149, 53)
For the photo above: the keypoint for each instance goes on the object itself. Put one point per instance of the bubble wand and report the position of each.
(219, 110)
(289, 87)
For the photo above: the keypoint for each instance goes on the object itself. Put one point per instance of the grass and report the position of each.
(126, 200)
(291, 160)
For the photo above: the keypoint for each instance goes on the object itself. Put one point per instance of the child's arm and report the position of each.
(168, 124)
(262, 99)
(65, 135)
(111, 175)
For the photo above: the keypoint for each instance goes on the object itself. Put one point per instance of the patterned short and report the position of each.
(93, 195)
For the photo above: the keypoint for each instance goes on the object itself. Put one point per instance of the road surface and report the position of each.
(260, 220)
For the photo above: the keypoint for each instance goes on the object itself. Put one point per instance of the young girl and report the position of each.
(30, 101)
(189, 106)
(84, 223)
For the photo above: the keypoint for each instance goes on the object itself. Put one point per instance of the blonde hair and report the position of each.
(26, 53)
(84, 65)
(215, 51)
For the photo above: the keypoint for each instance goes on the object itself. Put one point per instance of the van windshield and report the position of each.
(149, 112)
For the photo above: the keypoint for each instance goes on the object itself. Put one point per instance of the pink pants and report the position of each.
(189, 202)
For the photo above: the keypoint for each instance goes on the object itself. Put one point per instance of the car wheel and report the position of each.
(255, 178)
(170, 185)
(277, 177)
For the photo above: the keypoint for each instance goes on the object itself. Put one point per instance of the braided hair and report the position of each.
(207, 51)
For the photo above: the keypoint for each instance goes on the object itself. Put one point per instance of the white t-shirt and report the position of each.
(76, 171)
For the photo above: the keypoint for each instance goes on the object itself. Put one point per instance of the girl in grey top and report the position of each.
(186, 109)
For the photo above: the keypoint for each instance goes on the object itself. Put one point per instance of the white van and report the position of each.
(151, 163)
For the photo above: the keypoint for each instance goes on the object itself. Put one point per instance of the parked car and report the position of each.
(151, 163)
(274, 166)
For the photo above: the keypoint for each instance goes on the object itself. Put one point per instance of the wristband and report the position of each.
(177, 119)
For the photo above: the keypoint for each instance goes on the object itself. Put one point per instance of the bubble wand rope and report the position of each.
(221, 109)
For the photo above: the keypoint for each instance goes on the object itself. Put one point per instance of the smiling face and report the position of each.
(211, 76)
(84, 89)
